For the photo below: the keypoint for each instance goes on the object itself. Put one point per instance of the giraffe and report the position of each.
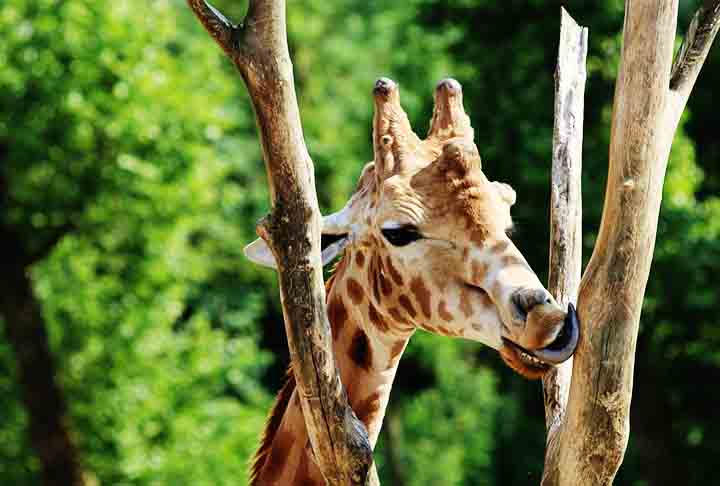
(424, 244)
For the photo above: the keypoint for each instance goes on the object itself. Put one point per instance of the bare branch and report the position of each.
(565, 215)
(340, 443)
(696, 45)
(693, 52)
(217, 25)
(595, 433)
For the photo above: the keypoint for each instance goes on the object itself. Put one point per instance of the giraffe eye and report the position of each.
(401, 236)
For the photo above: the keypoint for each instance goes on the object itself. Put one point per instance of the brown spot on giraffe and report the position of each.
(355, 291)
(360, 352)
(422, 295)
(385, 285)
(400, 321)
(397, 278)
(377, 320)
(337, 315)
(443, 311)
(360, 259)
(405, 302)
(396, 315)
(373, 275)
(445, 331)
(366, 409)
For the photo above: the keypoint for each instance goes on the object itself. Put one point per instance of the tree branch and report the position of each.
(49, 427)
(292, 230)
(591, 441)
(565, 215)
(596, 429)
(217, 25)
(696, 45)
(691, 57)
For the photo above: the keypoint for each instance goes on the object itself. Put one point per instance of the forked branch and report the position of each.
(646, 110)
(217, 25)
(292, 231)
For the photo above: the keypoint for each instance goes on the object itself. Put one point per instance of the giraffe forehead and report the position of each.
(434, 196)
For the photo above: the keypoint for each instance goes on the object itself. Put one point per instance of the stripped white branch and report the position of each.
(565, 215)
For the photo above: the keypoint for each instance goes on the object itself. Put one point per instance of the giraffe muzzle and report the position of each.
(565, 343)
(534, 363)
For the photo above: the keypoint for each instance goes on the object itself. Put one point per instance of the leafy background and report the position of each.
(124, 127)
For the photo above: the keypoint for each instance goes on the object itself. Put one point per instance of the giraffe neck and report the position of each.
(367, 348)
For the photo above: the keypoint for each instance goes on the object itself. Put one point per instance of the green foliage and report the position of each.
(125, 125)
(461, 405)
(151, 312)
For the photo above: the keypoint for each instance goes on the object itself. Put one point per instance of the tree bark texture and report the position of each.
(259, 50)
(41, 394)
(565, 215)
(646, 110)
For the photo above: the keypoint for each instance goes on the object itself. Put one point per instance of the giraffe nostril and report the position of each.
(525, 300)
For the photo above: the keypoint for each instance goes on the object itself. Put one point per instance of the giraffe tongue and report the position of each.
(565, 343)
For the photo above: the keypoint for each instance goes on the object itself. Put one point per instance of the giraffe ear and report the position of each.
(334, 239)
(259, 252)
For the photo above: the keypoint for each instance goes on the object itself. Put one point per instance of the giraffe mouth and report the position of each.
(534, 363)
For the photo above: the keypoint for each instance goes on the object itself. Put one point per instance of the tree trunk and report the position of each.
(40, 393)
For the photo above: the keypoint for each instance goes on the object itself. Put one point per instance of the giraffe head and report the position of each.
(428, 232)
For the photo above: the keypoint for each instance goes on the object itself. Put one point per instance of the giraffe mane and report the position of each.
(272, 425)
(282, 401)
